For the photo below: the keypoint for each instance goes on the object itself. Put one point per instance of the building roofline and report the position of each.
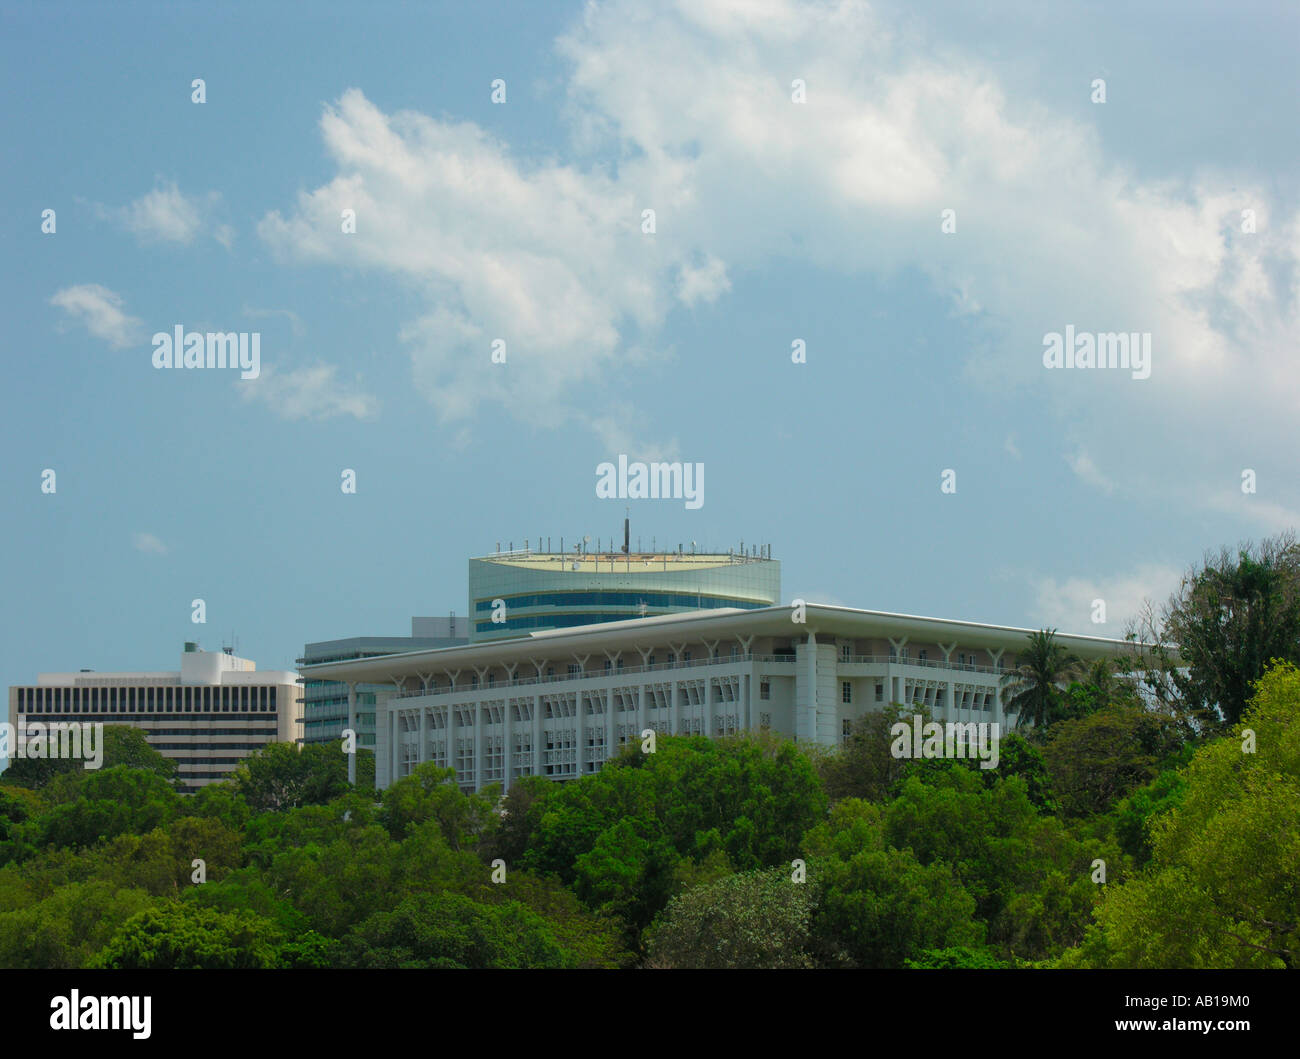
(775, 619)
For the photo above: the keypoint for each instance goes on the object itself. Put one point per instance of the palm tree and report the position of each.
(1101, 675)
(1030, 690)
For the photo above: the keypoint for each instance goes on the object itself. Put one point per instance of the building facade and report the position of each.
(213, 712)
(325, 702)
(559, 703)
(517, 592)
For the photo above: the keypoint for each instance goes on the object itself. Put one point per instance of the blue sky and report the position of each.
(775, 221)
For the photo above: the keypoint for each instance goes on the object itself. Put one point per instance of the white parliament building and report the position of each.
(559, 702)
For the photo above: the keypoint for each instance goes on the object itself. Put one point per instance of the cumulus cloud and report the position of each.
(99, 311)
(696, 120)
(546, 257)
(707, 283)
(614, 436)
(168, 215)
(1068, 605)
(309, 393)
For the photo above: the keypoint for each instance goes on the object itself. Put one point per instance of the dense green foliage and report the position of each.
(1231, 618)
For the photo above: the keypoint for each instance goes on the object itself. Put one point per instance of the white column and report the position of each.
(810, 717)
(611, 729)
(675, 714)
(383, 755)
(507, 746)
(999, 715)
(708, 703)
(422, 752)
(899, 695)
(394, 743)
(537, 735)
(478, 743)
(352, 723)
(451, 739)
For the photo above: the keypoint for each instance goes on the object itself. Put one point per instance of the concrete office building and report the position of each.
(325, 702)
(208, 716)
(558, 703)
(543, 589)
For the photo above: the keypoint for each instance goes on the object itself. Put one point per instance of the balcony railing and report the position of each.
(689, 663)
(600, 674)
(932, 663)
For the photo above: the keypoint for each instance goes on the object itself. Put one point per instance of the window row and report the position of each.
(166, 699)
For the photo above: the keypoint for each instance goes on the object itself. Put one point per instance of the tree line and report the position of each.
(1146, 813)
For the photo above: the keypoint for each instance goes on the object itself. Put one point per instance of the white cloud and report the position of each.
(706, 283)
(695, 120)
(148, 543)
(1050, 231)
(1068, 605)
(546, 257)
(167, 215)
(1268, 515)
(99, 311)
(308, 393)
(1087, 471)
(614, 437)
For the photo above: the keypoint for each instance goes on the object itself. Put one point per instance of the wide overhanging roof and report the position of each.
(667, 629)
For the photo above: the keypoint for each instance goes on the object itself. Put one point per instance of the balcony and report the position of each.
(602, 674)
(929, 663)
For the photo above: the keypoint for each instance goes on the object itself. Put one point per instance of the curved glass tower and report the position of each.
(518, 592)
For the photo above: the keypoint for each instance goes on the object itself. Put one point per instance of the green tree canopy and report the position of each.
(289, 776)
(124, 744)
(757, 919)
(183, 936)
(1223, 888)
(1229, 619)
